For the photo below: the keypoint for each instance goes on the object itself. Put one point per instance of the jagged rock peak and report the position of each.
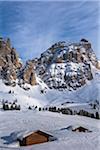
(67, 65)
(11, 68)
(8, 54)
(70, 52)
(28, 73)
(63, 65)
(9, 61)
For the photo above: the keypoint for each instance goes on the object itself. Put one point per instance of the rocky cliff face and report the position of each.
(98, 65)
(63, 66)
(11, 68)
(67, 65)
(28, 73)
(9, 61)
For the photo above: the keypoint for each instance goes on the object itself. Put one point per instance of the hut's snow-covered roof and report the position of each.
(24, 134)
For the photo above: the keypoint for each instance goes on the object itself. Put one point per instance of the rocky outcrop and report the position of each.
(9, 61)
(98, 65)
(8, 54)
(63, 65)
(11, 68)
(67, 65)
(28, 73)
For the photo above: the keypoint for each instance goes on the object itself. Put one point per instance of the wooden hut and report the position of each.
(80, 129)
(36, 137)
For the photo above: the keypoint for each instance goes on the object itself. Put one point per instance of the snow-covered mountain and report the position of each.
(66, 72)
(67, 65)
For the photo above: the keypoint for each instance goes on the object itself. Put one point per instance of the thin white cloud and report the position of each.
(34, 26)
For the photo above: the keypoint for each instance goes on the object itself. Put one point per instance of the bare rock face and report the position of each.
(28, 73)
(67, 65)
(9, 61)
(10, 66)
(98, 65)
(63, 65)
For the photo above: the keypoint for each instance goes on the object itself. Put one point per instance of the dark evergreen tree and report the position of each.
(92, 115)
(97, 115)
(39, 108)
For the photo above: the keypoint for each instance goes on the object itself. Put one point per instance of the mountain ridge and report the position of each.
(63, 64)
(49, 80)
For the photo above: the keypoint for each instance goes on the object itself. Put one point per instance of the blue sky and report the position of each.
(35, 26)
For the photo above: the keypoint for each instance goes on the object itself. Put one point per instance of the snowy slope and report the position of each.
(12, 124)
(41, 95)
(68, 69)
(25, 98)
(89, 92)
